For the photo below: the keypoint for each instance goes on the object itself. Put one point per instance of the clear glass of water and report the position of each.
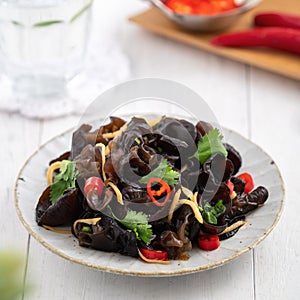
(43, 44)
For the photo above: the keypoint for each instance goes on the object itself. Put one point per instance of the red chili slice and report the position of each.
(154, 254)
(247, 178)
(231, 186)
(208, 242)
(164, 189)
(93, 183)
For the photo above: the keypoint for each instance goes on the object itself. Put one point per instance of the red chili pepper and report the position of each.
(93, 183)
(231, 186)
(286, 39)
(277, 19)
(247, 178)
(154, 254)
(164, 189)
(208, 242)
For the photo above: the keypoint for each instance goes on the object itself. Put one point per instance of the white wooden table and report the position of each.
(260, 105)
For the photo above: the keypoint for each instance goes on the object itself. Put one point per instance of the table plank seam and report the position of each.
(23, 296)
(248, 100)
(26, 267)
(249, 125)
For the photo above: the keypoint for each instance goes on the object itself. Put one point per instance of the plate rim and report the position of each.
(114, 270)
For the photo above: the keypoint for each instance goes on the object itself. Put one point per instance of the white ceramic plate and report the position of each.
(260, 222)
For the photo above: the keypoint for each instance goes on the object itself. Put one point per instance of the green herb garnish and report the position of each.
(210, 144)
(137, 141)
(86, 229)
(138, 223)
(47, 23)
(211, 213)
(64, 180)
(163, 171)
(77, 15)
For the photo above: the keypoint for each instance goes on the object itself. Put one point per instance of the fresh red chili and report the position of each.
(154, 254)
(286, 39)
(208, 242)
(93, 183)
(247, 178)
(231, 186)
(164, 189)
(277, 19)
(200, 7)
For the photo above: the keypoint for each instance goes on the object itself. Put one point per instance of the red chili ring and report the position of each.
(166, 188)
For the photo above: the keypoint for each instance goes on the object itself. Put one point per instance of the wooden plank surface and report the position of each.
(275, 126)
(19, 138)
(272, 60)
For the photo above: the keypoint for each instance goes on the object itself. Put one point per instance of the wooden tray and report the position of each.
(275, 61)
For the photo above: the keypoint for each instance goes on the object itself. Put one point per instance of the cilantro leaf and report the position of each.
(210, 144)
(163, 171)
(219, 208)
(171, 176)
(211, 213)
(64, 180)
(57, 189)
(210, 218)
(138, 222)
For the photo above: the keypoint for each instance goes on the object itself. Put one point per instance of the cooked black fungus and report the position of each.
(179, 134)
(83, 135)
(247, 202)
(98, 203)
(231, 233)
(135, 194)
(158, 226)
(66, 209)
(190, 176)
(223, 193)
(65, 156)
(136, 129)
(192, 226)
(218, 167)
(239, 185)
(108, 235)
(229, 169)
(202, 129)
(234, 156)
(134, 153)
(175, 243)
(112, 167)
(88, 162)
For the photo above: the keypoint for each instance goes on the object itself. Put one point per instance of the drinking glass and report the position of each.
(42, 44)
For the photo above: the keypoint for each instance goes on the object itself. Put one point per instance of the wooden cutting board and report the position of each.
(275, 61)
